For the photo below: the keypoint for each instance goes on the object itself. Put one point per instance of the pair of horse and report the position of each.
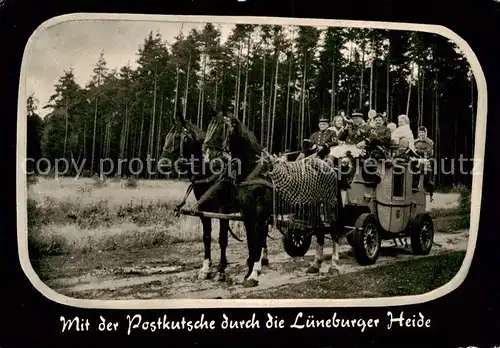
(249, 191)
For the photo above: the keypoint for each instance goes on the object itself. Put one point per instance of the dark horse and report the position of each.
(254, 195)
(182, 153)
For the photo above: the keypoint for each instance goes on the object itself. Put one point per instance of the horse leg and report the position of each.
(334, 267)
(204, 272)
(254, 254)
(264, 259)
(223, 238)
(318, 258)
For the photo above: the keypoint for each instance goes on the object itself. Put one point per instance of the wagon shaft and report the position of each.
(305, 190)
(233, 216)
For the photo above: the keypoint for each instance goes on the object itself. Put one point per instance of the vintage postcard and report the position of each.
(211, 162)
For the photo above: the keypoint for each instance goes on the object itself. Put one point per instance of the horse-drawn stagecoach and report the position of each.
(390, 208)
(367, 212)
(306, 197)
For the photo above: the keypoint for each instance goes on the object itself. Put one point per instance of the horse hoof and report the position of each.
(312, 270)
(250, 283)
(265, 262)
(221, 277)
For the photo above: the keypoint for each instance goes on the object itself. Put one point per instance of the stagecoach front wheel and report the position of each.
(296, 242)
(366, 239)
(422, 234)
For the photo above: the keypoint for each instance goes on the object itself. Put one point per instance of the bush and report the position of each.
(464, 205)
(37, 244)
(129, 183)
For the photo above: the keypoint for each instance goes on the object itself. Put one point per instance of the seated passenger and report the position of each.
(371, 118)
(403, 132)
(425, 148)
(379, 136)
(322, 140)
(392, 127)
(339, 124)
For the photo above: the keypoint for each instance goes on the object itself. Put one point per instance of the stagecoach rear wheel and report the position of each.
(296, 241)
(422, 234)
(366, 239)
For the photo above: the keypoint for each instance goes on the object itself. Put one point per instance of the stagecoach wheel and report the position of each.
(366, 239)
(296, 242)
(422, 234)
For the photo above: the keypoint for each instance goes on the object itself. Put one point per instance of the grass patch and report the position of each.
(89, 214)
(413, 277)
(85, 215)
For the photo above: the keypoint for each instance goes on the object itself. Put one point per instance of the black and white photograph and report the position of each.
(187, 159)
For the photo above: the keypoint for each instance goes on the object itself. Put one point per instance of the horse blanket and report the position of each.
(306, 187)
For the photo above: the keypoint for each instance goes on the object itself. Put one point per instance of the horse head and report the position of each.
(216, 140)
(182, 145)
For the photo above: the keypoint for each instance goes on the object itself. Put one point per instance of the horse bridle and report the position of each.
(224, 148)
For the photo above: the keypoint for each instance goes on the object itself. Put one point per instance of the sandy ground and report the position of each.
(172, 272)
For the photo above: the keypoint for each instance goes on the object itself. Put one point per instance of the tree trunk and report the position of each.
(332, 95)
(269, 114)
(409, 95)
(66, 127)
(263, 104)
(362, 79)
(159, 136)
(473, 112)
(94, 136)
(419, 114)
(216, 84)
(375, 81)
(139, 154)
(387, 90)
(153, 119)
(304, 76)
(85, 143)
(349, 81)
(291, 125)
(187, 88)
(247, 65)
(422, 98)
(408, 100)
(237, 87)
(176, 93)
(288, 100)
(274, 101)
(202, 107)
(371, 86)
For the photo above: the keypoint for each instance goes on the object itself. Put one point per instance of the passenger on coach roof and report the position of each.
(338, 125)
(403, 132)
(379, 135)
(425, 148)
(356, 132)
(392, 127)
(423, 145)
(321, 140)
(371, 117)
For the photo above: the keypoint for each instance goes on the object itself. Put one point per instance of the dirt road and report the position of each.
(171, 272)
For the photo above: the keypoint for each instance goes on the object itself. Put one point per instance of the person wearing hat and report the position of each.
(356, 132)
(379, 135)
(424, 147)
(322, 140)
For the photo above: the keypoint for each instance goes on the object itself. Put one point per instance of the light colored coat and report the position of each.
(403, 132)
